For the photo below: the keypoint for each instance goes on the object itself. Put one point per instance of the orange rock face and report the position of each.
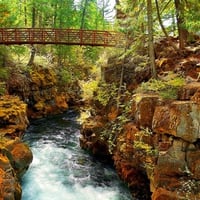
(22, 156)
(9, 186)
(158, 150)
(128, 160)
(40, 90)
(13, 118)
(89, 139)
(143, 109)
(15, 156)
(44, 98)
(180, 119)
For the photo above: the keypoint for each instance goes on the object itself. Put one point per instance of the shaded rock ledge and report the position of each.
(15, 156)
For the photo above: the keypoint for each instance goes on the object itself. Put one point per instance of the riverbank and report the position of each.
(151, 130)
(147, 127)
(15, 156)
(35, 93)
(61, 169)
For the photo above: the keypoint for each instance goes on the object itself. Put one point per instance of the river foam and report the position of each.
(61, 170)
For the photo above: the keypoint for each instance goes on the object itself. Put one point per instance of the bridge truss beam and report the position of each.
(11, 36)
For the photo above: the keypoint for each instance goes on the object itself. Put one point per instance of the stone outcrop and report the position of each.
(135, 70)
(43, 92)
(158, 150)
(15, 156)
(168, 145)
(90, 138)
(13, 118)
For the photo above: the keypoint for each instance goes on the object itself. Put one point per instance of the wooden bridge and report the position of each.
(10, 36)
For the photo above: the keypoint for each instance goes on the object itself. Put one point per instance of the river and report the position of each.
(61, 170)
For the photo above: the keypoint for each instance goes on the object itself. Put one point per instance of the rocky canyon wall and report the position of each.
(33, 93)
(155, 146)
(42, 90)
(15, 156)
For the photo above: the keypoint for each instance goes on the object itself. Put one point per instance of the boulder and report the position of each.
(90, 137)
(143, 108)
(10, 188)
(135, 70)
(188, 91)
(13, 117)
(21, 156)
(179, 118)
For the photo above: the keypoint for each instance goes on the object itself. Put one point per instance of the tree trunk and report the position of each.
(160, 20)
(55, 16)
(162, 26)
(83, 15)
(32, 49)
(180, 22)
(25, 14)
(32, 56)
(150, 38)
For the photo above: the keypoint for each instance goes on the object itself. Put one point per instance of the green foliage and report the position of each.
(111, 132)
(3, 73)
(149, 153)
(141, 145)
(88, 88)
(114, 128)
(166, 89)
(17, 52)
(3, 77)
(192, 15)
(2, 88)
(65, 76)
(105, 92)
(7, 14)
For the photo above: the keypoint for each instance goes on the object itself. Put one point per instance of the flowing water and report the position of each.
(61, 170)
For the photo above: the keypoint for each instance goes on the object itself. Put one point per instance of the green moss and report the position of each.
(167, 89)
(65, 76)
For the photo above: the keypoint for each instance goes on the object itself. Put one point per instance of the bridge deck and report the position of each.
(9, 36)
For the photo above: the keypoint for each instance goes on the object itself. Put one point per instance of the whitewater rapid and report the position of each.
(61, 170)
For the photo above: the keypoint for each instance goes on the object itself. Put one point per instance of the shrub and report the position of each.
(105, 92)
(167, 89)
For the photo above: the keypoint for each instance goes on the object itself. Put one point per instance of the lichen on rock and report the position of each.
(15, 156)
(13, 117)
(42, 91)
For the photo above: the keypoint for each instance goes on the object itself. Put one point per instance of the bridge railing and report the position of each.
(10, 36)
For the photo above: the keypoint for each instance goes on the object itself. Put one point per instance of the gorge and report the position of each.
(61, 170)
(138, 102)
(152, 140)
